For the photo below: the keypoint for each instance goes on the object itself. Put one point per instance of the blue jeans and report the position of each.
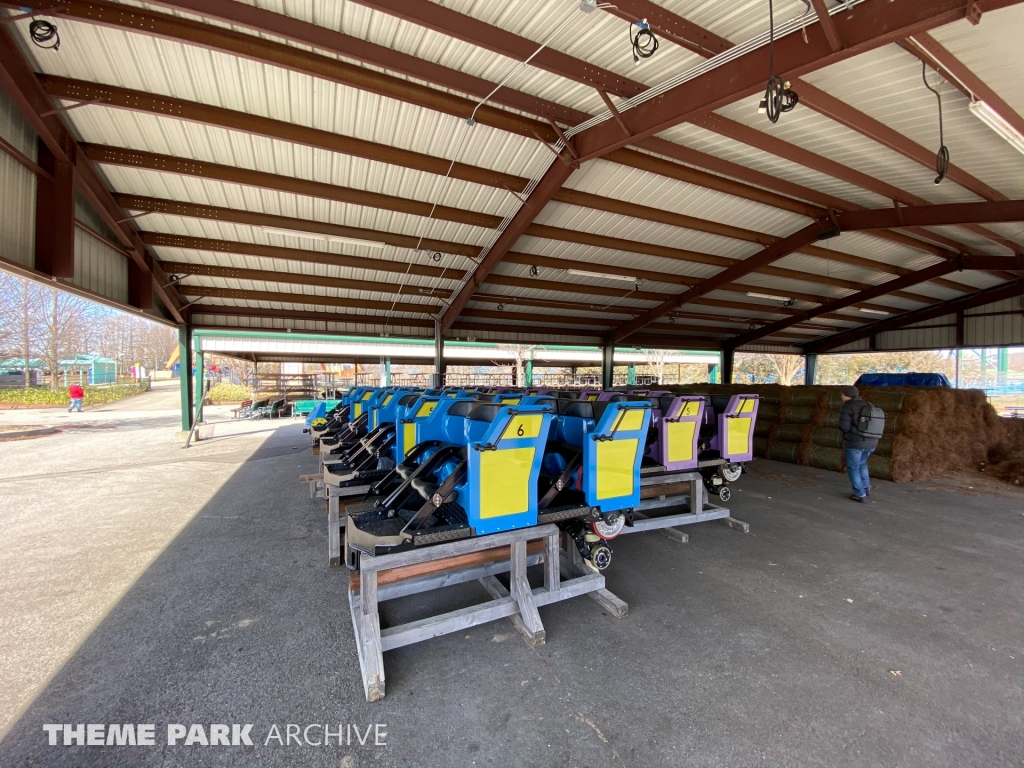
(857, 469)
(76, 402)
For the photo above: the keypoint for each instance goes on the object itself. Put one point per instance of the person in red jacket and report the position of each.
(76, 393)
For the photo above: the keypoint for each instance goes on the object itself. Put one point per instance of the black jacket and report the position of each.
(847, 419)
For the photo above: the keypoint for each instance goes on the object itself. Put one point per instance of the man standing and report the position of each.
(76, 393)
(858, 446)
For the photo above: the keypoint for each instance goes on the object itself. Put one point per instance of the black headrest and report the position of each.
(408, 399)
(666, 402)
(720, 403)
(434, 392)
(617, 398)
(583, 409)
(566, 395)
(485, 411)
(548, 402)
(601, 406)
(462, 407)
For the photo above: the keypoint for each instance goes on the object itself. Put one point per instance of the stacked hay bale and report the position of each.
(928, 431)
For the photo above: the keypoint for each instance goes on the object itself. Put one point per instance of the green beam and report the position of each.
(185, 378)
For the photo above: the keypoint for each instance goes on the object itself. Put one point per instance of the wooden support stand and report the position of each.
(386, 577)
(648, 516)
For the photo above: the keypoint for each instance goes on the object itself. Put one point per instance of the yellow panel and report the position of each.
(510, 400)
(747, 405)
(615, 461)
(591, 397)
(357, 409)
(505, 481)
(690, 408)
(368, 395)
(426, 409)
(680, 440)
(387, 400)
(739, 429)
(523, 426)
(629, 421)
(408, 438)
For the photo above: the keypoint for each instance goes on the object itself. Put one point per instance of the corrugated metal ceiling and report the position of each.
(884, 84)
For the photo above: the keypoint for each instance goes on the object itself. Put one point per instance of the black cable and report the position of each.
(942, 156)
(42, 32)
(778, 96)
(644, 42)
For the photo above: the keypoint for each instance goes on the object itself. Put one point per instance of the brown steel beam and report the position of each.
(841, 112)
(873, 24)
(231, 174)
(215, 213)
(827, 25)
(933, 215)
(963, 262)
(988, 295)
(772, 253)
(20, 82)
(955, 71)
(760, 140)
(231, 120)
(302, 298)
(55, 215)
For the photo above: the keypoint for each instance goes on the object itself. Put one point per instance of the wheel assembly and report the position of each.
(732, 472)
(724, 493)
(609, 526)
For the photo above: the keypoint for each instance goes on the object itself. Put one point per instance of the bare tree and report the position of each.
(520, 354)
(787, 367)
(67, 323)
(655, 358)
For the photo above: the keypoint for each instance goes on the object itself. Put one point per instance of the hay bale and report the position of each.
(780, 451)
(827, 437)
(768, 411)
(794, 433)
(761, 446)
(828, 458)
(797, 414)
(805, 395)
(763, 428)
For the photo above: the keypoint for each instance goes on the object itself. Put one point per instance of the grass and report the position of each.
(93, 395)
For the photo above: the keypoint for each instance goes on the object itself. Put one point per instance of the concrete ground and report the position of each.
(143, 583)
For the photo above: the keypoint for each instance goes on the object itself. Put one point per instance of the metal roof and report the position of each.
(706, 194)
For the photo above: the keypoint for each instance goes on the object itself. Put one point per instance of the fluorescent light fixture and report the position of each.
(584, 273)
(874, 311)
(995, 121)
(768, 296)
(328, 238)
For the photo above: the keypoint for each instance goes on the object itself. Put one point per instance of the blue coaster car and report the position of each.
(482, 467)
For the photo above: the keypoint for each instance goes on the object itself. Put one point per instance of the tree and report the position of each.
(655, 358)
(67, 323)
(520, 354)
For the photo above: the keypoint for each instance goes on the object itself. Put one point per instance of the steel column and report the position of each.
(439, 366)
(810, 369)
(386, 362)
(607, 366)
(727, 361)
(198, 386)
(185, 377)
(55, 215)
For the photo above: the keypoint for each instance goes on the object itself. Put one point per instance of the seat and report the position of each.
(720, 403)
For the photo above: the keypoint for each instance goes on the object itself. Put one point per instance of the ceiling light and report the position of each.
(768, 296)
(995, 121)
(584, 273)
(874, 311)
(328, 238)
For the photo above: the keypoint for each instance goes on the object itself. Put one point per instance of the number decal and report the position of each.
(520, 431)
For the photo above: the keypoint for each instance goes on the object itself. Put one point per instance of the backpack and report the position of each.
(870, 422)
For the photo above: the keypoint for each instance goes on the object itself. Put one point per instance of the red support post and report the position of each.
(55, 216)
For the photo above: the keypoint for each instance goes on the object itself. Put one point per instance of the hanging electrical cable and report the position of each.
(942, 156)
(44, 34)
(644, 43)
(778, 96)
